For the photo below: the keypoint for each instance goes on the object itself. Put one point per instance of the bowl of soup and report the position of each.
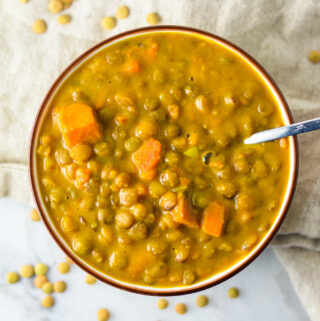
(138, 164)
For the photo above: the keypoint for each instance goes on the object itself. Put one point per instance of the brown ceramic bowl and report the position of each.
(216, 278)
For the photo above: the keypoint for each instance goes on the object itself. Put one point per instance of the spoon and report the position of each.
(285, 131)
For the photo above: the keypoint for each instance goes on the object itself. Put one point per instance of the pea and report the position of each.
(71, 170)
(55, 6)
(39, 281)
(172, 131)
(97, 255)
(105, 215)
(179, 143)
(47, 288)
(86, 203)
(157, 246)
(103, 315)
(132, 144)
(89, 279)
(81, 153)
(146, 128)
(160, 115)
(153, 18)
(168, 201)
(94, 166)
(107, 233)
(233, 293)
(157, 269)
(128, 196)
(122, 12)
(209, 249)
(12, 277)
(200, 199)
(260, 169)
(63, 267)
(63, 156)
(241, 166)
(139, 231)
(202, 301)
(34, 215)
(39, 26)
(227, 189)
(159, 76)
(172, 158)
(40, 269)
(105, 189)
(162, 304)
(181, 252)
(124, 219)
(181, 308)
(109, 173)
(82, 245)
(27, 271)
(102, 149)
(108, 23)
(202, 103)
(59, 286)
(139, 211)
(151, 104)
(68, 224)
(48, 164)
(64, 19)
(169, 178)
(118, 260)
(123, 180)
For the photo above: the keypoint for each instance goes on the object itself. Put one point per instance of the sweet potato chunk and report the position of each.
(182, 213)
(78, 124)
(213, 218)
(147, 157)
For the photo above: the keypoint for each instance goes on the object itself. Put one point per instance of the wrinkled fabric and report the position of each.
(279, 34)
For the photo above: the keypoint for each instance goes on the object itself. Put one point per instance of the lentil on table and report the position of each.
(142, 165)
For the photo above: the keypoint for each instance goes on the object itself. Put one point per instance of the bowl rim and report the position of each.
(233, 269)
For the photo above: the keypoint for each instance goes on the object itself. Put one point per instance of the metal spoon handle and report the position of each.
(285, 131)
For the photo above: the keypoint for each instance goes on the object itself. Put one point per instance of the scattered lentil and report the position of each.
(64, 19)
(47, 301)
(89, 279)
(12, 277)
(40, 269)
(122, 12)
(55, 6)
(181, 308)
(34, 215)
(153, 18)
(233, 293)
(314, 56)
(39, 281)
(27, 271)
(202, 301)
(59, 286)
(103, 315)
(162, 304)
(63, 267)
(47, 288)
(39, 26)
(108, 23)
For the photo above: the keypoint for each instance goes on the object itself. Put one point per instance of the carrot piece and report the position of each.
(147, 157)
(139, 261)
(78, 124)
(284, 143)
(152, 50)
(82, 176)
(182, 213)
(142, 189)
(213, 218)
(132, 66)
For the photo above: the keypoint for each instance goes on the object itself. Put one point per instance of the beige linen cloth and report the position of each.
(279, 34)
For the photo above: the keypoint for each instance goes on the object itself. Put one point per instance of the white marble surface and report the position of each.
(266, 292)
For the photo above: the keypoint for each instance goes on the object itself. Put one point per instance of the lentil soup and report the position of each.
(141, 162)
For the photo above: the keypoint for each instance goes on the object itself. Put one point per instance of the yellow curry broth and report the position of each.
(208, 101)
